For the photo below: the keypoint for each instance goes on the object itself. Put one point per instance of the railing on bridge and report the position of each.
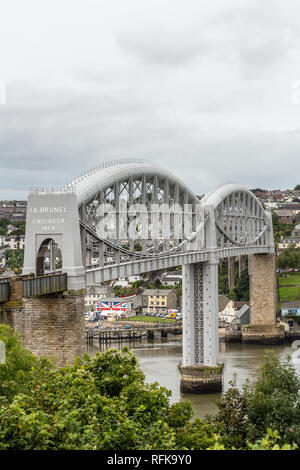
(4, 291)
(43, 285)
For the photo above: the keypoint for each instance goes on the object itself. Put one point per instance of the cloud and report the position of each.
(204, 90)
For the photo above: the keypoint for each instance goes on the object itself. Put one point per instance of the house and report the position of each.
(288, 216)
(290, 308)
(296, 231)
(226, 309)
(158, 300)
(121, 282)
(243, 315)
(290, 311)
(2, 240)
(135, 278)
(287, 242)
(11, 228)
(231, 311)
(171, 278)
(96, 293)
(15, 242)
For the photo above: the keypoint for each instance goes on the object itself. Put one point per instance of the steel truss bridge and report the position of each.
(90, 220)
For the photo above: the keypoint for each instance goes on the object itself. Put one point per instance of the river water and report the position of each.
(159, 361)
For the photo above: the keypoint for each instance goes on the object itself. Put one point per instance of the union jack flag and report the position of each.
(113, 306)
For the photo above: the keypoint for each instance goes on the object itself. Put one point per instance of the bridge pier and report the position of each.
(200, 371)
(50, 325)
(242, 264)
(263, 300)
(231, 274)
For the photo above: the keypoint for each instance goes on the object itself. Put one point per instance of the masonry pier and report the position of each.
(263, 298)
(50, 325)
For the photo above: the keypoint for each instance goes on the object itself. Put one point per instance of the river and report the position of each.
(159, 361)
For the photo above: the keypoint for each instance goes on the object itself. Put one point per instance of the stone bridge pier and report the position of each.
(51, 325)
(263, 302)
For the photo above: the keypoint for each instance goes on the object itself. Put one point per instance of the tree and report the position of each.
(241, 290)
(4, 222)
(257, 190)
(99, 403)
(272, 403)
(280, 230)
(289, 258)
(103, 403)
(156, 284)
(297, 187)
(223, 278)
(15, 259)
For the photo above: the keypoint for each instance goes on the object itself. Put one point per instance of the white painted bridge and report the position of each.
(133, 216)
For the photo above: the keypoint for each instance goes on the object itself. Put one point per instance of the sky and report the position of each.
(210, 90)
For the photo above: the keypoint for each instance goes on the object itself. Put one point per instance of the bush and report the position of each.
(104, 403)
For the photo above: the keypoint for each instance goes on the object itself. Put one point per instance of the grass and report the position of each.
(290, 279)
(150, 319)
(289, 293)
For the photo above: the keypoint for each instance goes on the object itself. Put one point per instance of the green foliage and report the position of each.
(103, 403)
(280, 230)
(21, 369)
(199, 435)
(20, 225)
(4, 222)
(271, 403)
(289, 293)
(269, 442)
(257, 190)
(223, 278)
(241, 290)
(119, 290)
(289, 258)
(232, 416)
(156, 284)
(15, 259)
(99, 403)
(289, 279)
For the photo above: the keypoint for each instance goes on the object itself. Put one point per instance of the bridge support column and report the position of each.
(231, 276)
(200, 371)
(50, 325)
(263, 299)
(242, 264)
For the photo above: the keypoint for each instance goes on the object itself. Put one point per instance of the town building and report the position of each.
(171, 278)
(296, 231)
(290, 311)
(233, 312)
(288, 216)
(158, 300)
(287, 242)
(95, 294)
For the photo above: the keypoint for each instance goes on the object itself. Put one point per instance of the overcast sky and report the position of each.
(204, 88)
